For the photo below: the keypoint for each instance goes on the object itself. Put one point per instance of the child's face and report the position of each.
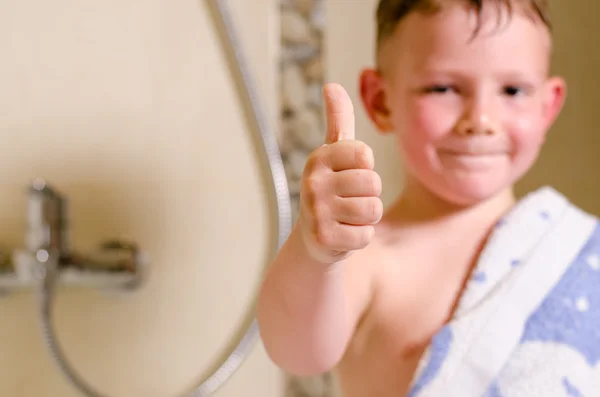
(471, 113)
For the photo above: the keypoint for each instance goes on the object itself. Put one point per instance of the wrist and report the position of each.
(312, 253)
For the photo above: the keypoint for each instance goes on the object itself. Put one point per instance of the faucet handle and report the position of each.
(115, 264)
(47, 221)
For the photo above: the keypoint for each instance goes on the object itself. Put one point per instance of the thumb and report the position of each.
(339, 112)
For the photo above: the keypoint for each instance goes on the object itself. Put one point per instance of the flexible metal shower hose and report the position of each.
(247, 92)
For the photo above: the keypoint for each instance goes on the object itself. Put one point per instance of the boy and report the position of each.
(456, 289)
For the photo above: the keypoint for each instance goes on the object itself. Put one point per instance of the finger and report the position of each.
(358, 211)
(357, 183)
(346, 238)
(350, 154)
(340, 113)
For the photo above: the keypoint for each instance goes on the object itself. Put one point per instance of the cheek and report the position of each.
(426, 119)
(420, 124)
(527, 135)
(526, 131)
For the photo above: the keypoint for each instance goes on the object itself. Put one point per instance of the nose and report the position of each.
(477, 120)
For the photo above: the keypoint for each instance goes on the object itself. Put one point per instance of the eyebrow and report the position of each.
(460, 74)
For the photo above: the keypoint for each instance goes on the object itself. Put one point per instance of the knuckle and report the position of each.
(308, 197)
(315, 206)
(324, 235)
(313, 185)
(364, 236)
(371, 210)
(364, 156)
(376, 209)
(375, 183)
(316, 158)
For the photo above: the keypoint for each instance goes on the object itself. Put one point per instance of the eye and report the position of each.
(439, 89)
(513, 90)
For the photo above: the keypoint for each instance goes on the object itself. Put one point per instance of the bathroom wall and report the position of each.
(127, 107)
(569, 161)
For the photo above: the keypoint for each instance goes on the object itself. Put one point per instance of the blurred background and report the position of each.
(128, 108)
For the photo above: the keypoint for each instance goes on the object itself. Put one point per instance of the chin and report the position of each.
(471, 191)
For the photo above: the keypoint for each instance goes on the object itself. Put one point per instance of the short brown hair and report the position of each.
(391, 12)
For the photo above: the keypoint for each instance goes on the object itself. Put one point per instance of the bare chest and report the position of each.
(412, 303)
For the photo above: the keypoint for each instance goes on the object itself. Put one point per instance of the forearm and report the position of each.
(302, 311)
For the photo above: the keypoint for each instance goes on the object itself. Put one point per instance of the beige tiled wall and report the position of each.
(128, 108)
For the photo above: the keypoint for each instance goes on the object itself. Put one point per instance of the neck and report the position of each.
(418, 205)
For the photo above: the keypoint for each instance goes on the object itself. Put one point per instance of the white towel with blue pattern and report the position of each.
(528, 324)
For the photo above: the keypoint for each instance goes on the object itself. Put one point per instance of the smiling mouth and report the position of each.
(467, 153)
(472, 161)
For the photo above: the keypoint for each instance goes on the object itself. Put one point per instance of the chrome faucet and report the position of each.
(115, 264)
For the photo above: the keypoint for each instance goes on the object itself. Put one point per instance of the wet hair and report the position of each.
(391, 12)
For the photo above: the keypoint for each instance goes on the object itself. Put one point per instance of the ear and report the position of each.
(374, 100)
(554, 99)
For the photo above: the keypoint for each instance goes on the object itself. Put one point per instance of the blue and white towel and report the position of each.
(528, 324)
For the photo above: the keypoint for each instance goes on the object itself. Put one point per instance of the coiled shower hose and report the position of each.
(257, 119)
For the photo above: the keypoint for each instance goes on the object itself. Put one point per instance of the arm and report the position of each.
(317, 289)
(307, 310)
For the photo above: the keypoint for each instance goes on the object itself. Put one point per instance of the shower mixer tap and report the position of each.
(47, 222)
(115, 264)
